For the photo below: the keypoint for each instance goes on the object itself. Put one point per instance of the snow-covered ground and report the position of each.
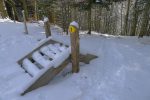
(121, 71)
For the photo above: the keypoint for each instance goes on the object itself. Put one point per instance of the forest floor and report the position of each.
(121, 71)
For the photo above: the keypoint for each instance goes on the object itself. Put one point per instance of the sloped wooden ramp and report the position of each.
(46, 61)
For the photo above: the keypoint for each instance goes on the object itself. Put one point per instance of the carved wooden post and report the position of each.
(47, 27)
(25, 23)
(74, 36)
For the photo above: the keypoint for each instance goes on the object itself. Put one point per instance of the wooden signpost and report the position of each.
(74, 36)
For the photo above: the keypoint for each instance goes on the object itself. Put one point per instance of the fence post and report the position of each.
(47, 27)
(74, 36)
(25, 24)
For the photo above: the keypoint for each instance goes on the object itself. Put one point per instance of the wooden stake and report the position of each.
(14, 15)
(47, 27)
(74, 36)
(25, 23)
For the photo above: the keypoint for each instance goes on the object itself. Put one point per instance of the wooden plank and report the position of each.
(47, 77)
(87, 58)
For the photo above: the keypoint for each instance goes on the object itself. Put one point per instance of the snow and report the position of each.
(41, 60)
(30, 67)
(53, 48)
(61, 57)
(121, 71)
(46, 51)
(62, 48)
(74, 23)
(46, 19)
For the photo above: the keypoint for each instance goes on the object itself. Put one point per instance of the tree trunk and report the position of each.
(3, 10)
(145, 20)
(135, 20)
(126, 18)
(35, 10)
(89, 17)
(14, 10)
(25, 8)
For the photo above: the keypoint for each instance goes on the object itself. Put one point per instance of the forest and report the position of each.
(115, 17)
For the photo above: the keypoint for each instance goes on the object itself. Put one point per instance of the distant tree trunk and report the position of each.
(126, 18)
(134, 20)
(148, 31)
(145, 20)
(121, 18)
(100, 21)
(35, 10)
(89, 17)
(3, 9)
(25, 8)
(14, 10)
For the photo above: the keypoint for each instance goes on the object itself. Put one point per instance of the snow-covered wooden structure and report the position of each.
(46, 61)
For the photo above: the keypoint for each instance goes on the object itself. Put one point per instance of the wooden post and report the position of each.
(35, 10)
(74, 36)
(25, 24)
(14, 14)
(47, 27)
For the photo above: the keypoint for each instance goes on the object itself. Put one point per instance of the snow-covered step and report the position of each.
(61, 48)
(30, 67)
(54, 48)
(41, 60)
(45, 50)
(60, 58)
(57, 45)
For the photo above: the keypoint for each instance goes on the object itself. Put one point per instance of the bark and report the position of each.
(25, 8)
(145, 20)
(135, 20)
(89, 17)
(3, 9)
(35, 10)
(126, 18)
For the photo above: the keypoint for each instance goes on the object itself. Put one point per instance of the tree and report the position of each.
(25, 8)
(88, 4)
(145, 19)
(126, 18)
(3, 9)
(14, 10)
(134, 19)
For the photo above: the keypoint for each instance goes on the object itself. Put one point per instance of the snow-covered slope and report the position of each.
(122, 71)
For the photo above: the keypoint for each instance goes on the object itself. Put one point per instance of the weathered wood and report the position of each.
(74, 33)
(47, 28)
(87, 58)
(3, 9)
(25, 23)
(47, 77)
